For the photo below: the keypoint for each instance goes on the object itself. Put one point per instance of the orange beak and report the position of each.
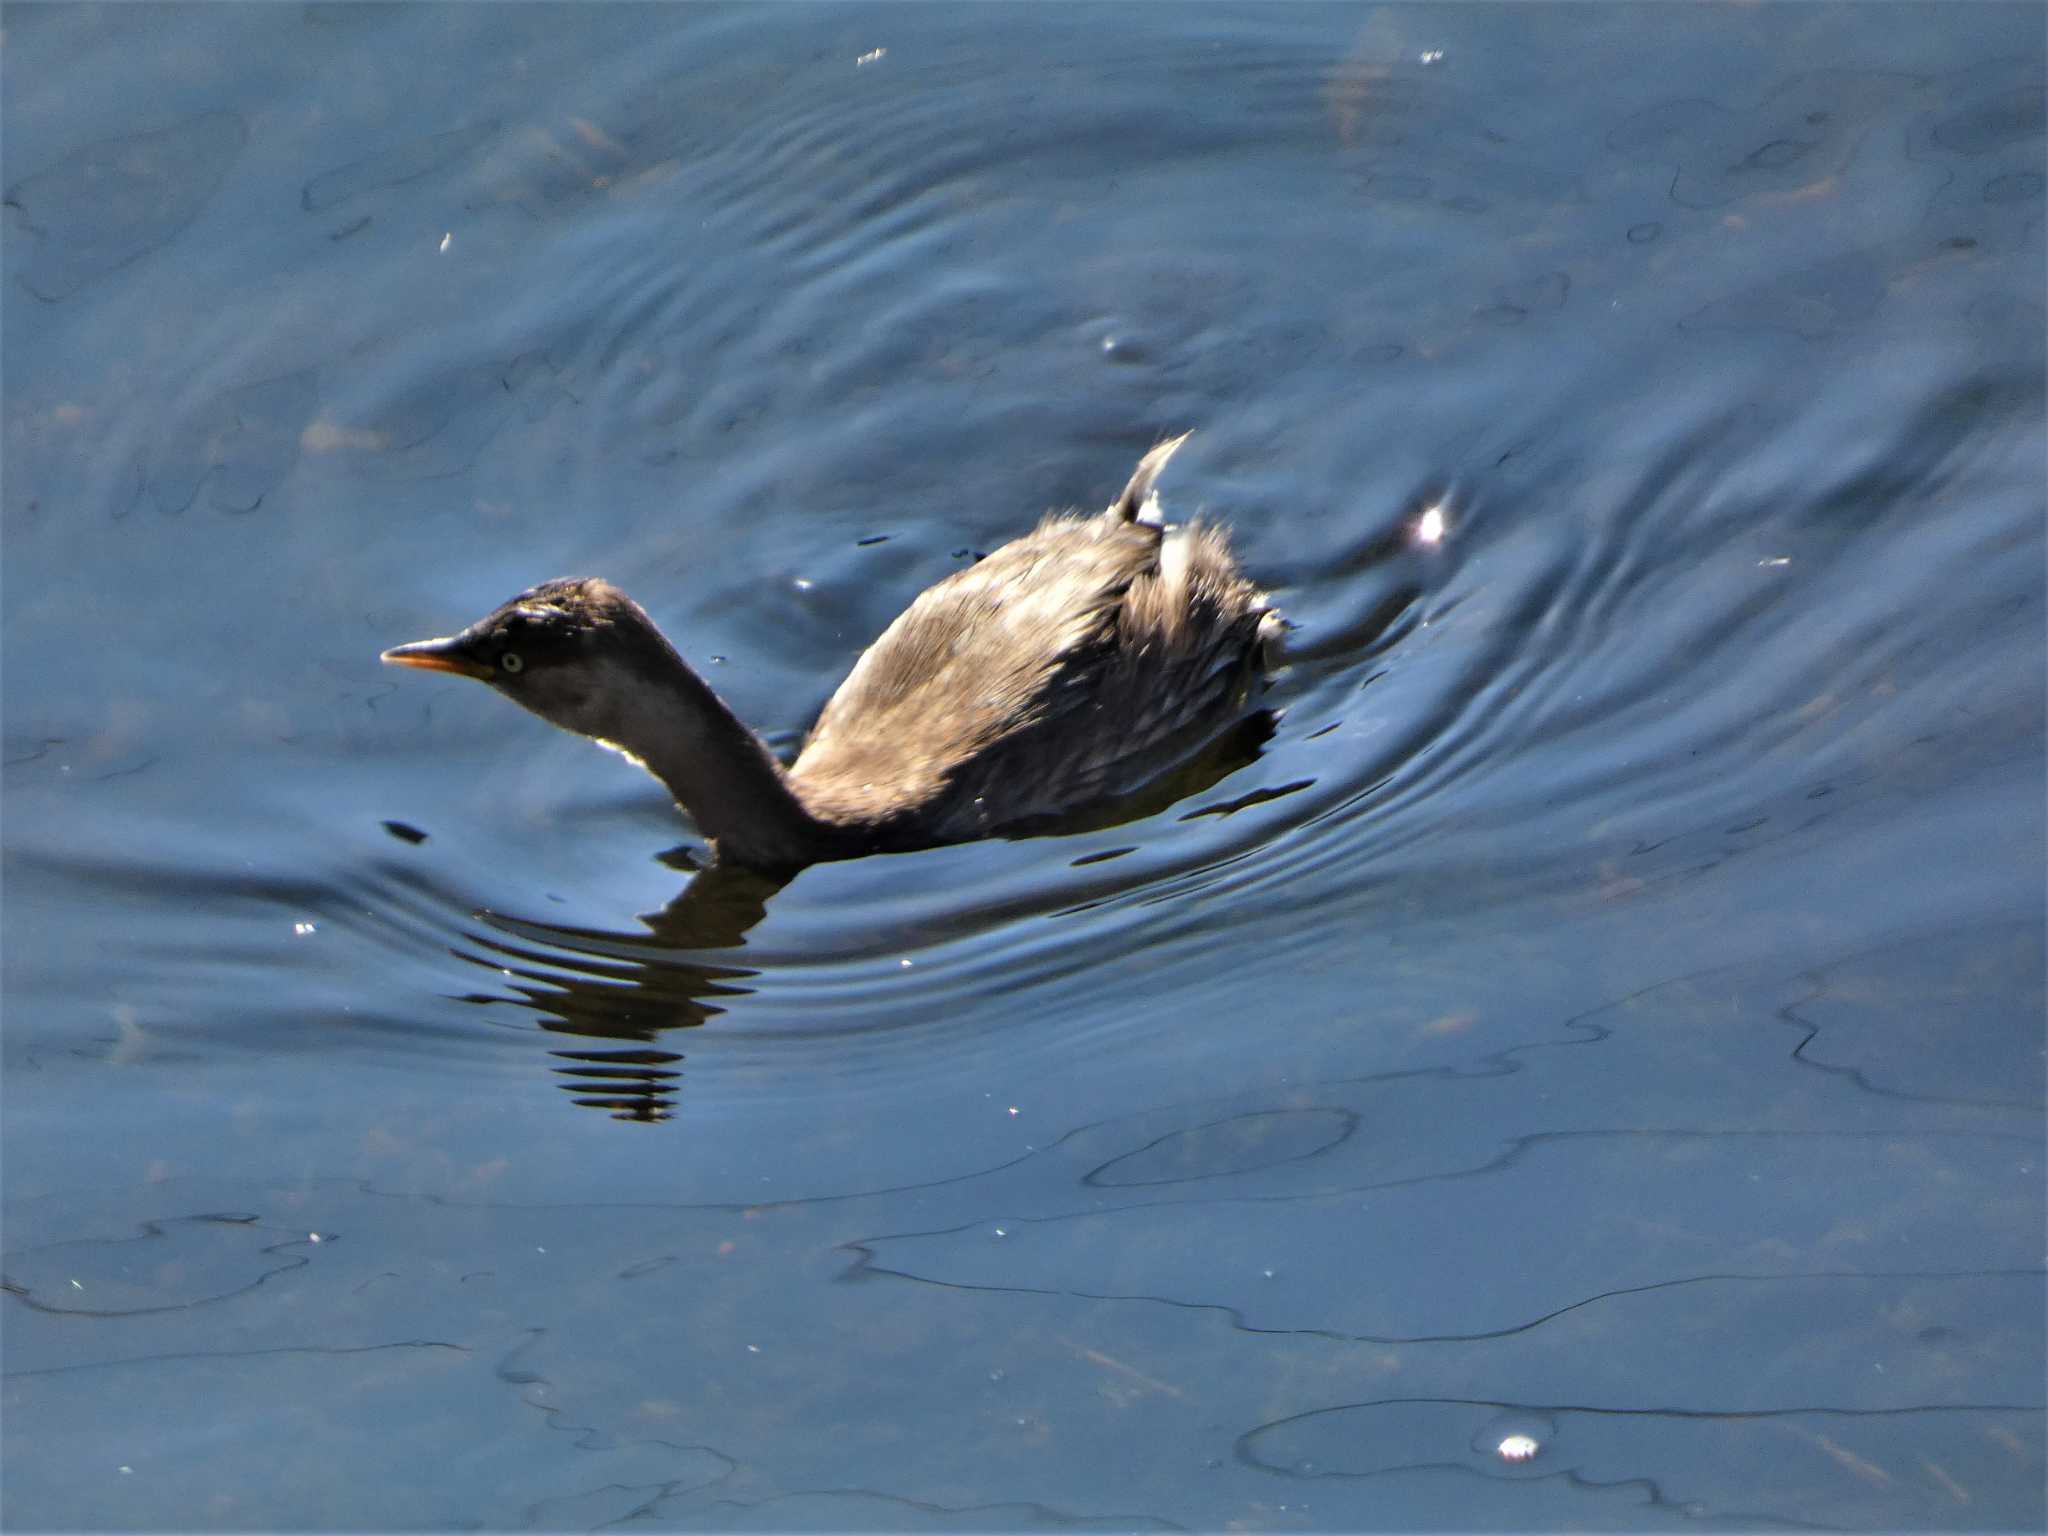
(445, 655)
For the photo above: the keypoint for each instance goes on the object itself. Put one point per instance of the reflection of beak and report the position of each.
(446, 655)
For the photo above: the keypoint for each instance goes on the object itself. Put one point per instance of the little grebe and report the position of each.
(1069, 667)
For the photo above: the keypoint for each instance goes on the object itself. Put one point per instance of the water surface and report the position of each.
(1606, 1008)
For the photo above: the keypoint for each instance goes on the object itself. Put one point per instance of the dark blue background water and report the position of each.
(1609, 1009)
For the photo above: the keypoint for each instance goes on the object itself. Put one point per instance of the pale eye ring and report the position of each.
(511, 662)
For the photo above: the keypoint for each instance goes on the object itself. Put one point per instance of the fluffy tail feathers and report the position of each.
(1139, 502)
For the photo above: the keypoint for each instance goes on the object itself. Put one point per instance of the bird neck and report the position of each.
(720, 772)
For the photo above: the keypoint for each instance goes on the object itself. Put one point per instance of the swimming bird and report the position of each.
(1069, 667)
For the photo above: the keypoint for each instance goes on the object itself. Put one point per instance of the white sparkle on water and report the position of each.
(1518, 1448)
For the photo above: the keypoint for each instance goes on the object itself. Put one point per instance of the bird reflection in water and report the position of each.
(625, 988)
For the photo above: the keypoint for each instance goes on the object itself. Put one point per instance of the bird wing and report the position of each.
(1071, 666)
(989, 654)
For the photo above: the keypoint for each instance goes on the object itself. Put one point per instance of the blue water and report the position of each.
(1608, 1009)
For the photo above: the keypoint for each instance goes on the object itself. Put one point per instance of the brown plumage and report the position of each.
(1069, 667)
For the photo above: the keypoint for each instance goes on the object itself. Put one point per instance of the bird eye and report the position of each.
(510, 662)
